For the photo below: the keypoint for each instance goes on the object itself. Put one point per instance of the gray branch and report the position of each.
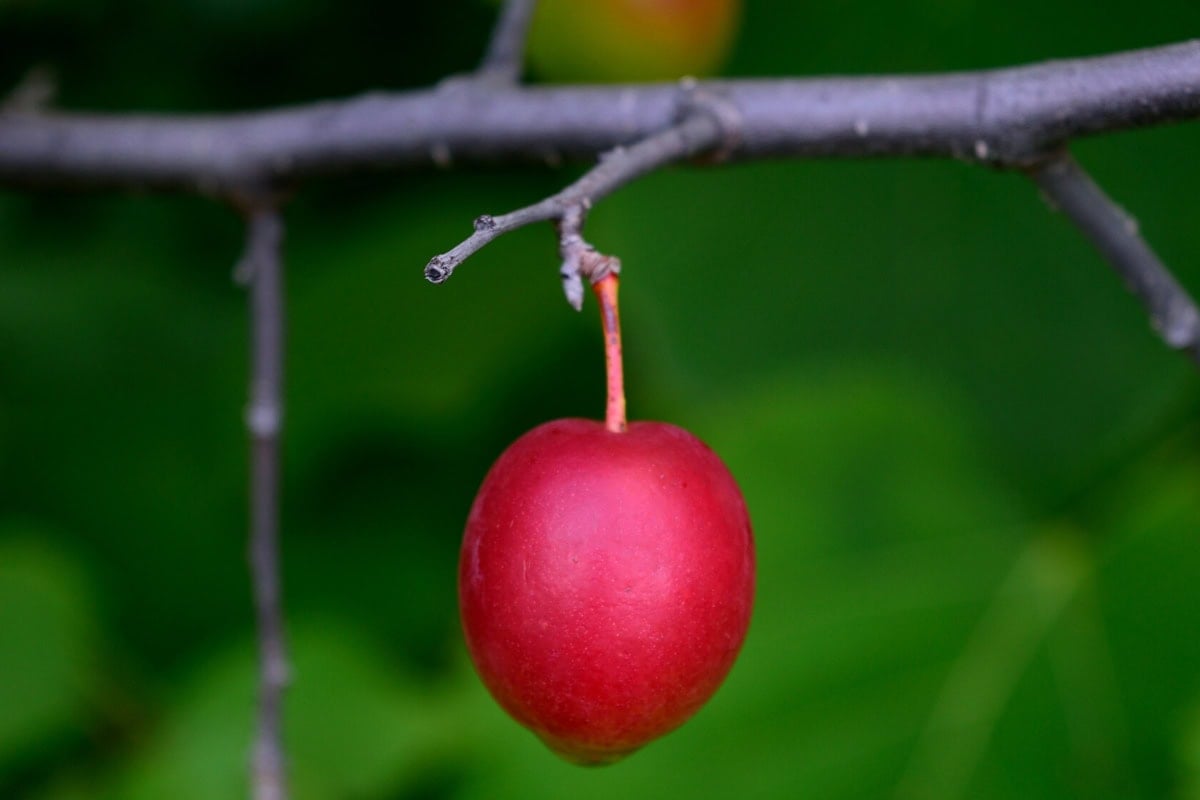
(1115, 234)
(1007, 117)
(261, 266)
(505, 55)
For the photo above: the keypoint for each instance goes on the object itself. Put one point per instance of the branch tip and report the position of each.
(1181, 329)
(438, 270)
(572, 286)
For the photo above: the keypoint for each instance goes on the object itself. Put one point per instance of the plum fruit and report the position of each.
(606, 578)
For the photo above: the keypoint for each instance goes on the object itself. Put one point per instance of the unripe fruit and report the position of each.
(631, 40)
(605, 583)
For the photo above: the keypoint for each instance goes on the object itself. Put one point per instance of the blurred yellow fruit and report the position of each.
(631, 40)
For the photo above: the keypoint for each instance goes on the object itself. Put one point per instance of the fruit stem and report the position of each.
(610, 319)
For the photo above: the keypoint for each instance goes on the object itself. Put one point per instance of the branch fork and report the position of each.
(706, 124)
(699, 99)
(711, 126)
(579, 259)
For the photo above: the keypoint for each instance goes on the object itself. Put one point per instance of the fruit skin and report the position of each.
(605, 583)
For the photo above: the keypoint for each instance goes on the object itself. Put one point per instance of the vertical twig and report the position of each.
(261, 269)
(505, 55)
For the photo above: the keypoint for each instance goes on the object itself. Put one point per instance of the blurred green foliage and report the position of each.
(972, 468)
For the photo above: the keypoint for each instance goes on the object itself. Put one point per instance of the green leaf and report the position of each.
(1149, 592)
(1189, 754)
(355, 726)
(48, 657)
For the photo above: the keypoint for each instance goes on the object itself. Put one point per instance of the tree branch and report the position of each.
(505, 55)
(1007, 117)
(261, 266)
(579, 259)
(1115, 234)
(690, 137)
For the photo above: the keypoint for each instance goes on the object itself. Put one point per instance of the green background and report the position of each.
(971, 465)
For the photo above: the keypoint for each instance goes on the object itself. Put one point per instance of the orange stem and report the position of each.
(610, 319)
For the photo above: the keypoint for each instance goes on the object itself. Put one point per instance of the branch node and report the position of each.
(701, 100)
(263, 420)
(580, 259)
(35, 92)
(596, 266)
